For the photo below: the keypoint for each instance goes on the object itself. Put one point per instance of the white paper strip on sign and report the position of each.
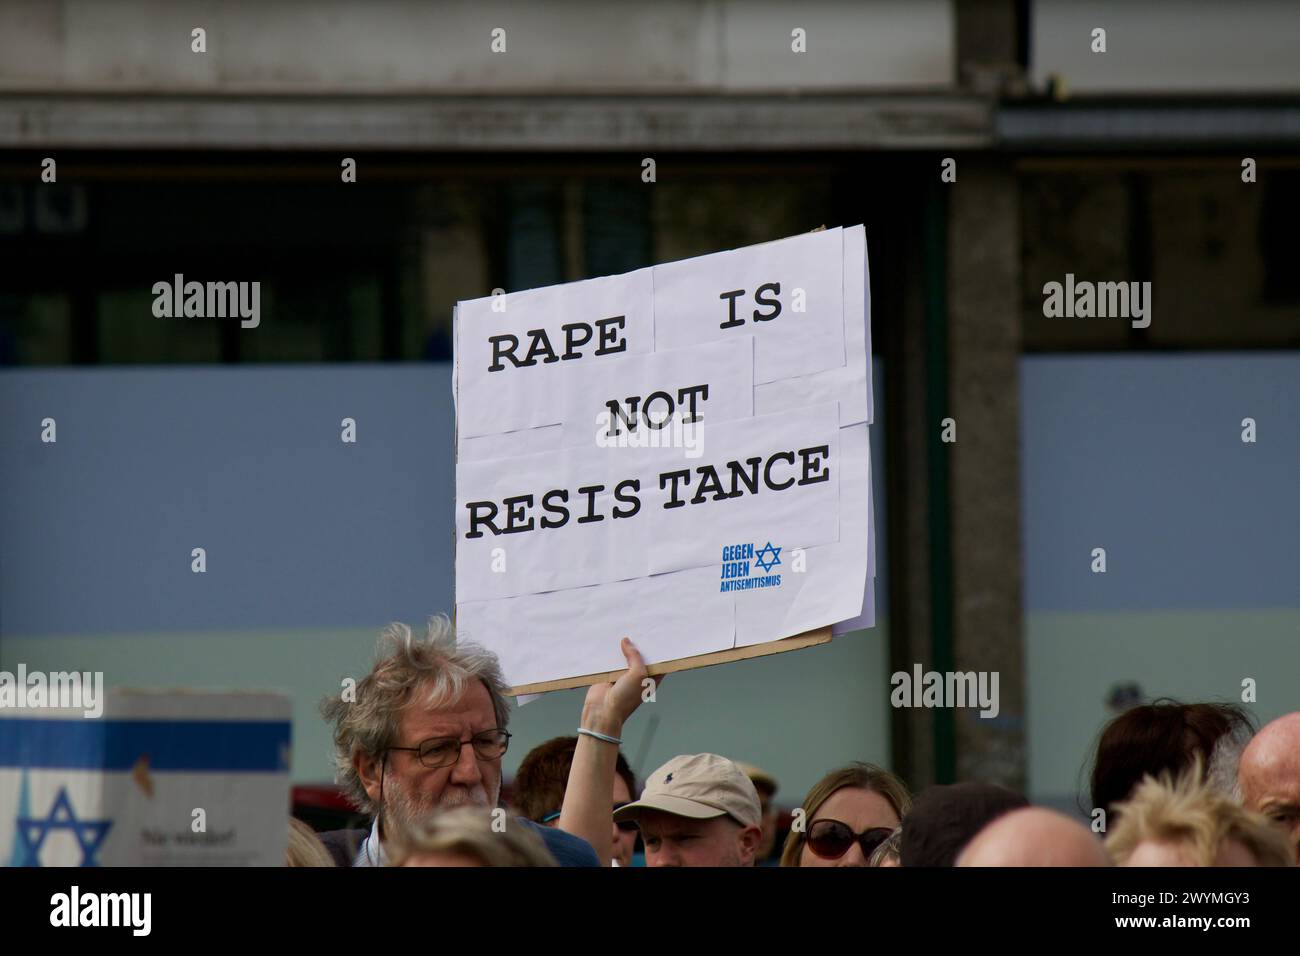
(825, 583)
(576, 632)
(511, 348)
(671, 397)
(525, 441)
(584, 516)
(788, 294)
(850, 384)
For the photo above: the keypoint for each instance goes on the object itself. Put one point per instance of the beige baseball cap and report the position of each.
(699, 786)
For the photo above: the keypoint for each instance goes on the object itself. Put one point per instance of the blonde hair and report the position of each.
(436, 664)
(864, 776)
(468, 831)
(1187, 811)
(889, 852)
(305, 848)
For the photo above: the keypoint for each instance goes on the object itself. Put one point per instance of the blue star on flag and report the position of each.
(32, 831)
(768, 557)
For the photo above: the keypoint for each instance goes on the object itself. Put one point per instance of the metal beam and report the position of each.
(499, 123)
(1117, 124)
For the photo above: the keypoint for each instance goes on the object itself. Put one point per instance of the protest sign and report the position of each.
(678, 455)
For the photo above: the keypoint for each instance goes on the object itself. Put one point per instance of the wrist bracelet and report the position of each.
(599, 736)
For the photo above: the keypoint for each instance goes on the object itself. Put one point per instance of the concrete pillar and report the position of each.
(984, 463)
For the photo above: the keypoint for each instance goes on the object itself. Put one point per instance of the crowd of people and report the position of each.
(419, 748)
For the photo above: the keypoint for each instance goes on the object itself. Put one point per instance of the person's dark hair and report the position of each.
(943, 820)
(538, 790)
(1167, 737)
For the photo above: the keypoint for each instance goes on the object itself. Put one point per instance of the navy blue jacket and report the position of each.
(568, 850)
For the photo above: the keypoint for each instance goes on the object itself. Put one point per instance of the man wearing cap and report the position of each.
(697, 810)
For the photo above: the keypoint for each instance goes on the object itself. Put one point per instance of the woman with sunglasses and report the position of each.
(847, 815)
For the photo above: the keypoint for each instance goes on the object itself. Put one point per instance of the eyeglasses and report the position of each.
(444, 751)
(831, 839)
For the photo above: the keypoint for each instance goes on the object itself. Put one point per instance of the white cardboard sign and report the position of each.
(678, 455)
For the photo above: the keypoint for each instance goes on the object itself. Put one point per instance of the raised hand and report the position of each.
(610, 704)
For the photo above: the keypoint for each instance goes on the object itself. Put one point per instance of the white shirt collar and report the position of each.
(371, 851)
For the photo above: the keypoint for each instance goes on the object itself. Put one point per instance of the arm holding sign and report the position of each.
(588, 797)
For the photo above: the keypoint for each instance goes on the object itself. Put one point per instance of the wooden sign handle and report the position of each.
(821, 635)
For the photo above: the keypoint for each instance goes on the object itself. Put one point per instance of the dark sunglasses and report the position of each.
(831, 839)
(627, 826)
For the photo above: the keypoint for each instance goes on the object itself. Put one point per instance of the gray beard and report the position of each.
(405, 810)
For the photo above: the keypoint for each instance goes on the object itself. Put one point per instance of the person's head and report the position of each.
(468, 836)
(888, 853)
(304, 847)
(766, 786)
(1168, 737)
(847, 814)
(1034, 836)
(538, 791)
(945, 818)
(425, 729)
(697, 810)
(1183, 822)
(1270, 775)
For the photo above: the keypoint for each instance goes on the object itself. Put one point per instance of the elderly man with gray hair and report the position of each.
(426, 731)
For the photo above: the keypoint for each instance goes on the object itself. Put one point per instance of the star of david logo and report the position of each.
(32, 831)
(767, 557)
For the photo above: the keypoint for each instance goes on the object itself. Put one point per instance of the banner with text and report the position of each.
(678, 454)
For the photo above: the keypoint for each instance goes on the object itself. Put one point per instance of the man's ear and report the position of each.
(750, 838)
(369, 768)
